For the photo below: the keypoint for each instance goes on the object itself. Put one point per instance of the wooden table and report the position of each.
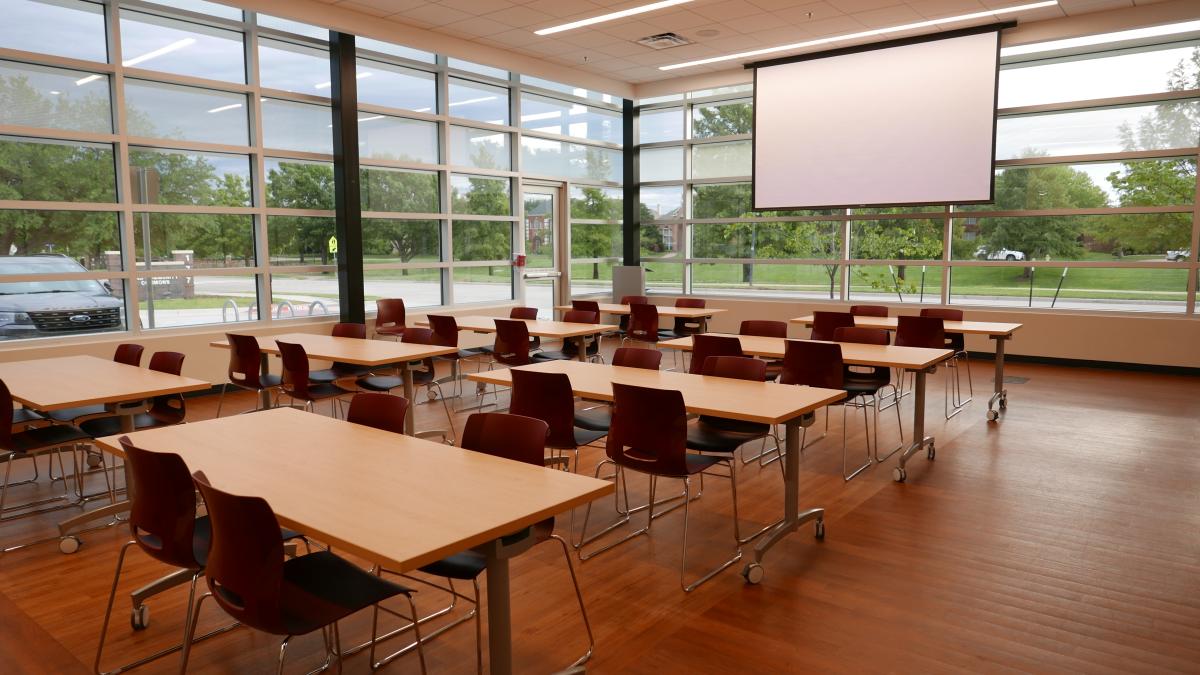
(997, 331)
(701, 314)
(764, 402)
(370, 353)
(555, 330)
(919, 360)
(397, 501)
(65, 382)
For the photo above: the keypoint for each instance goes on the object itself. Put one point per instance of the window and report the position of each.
(397, 138)
(480, 195)
(477, 101)
(403, 52)
(723, 119)
(399, 190)
(84, 240)
(1139, 127)
(83, 172)
(293, 27)
(159, 110)
(153, 42)
(292, 67)
(459, 64)
(1127, 73)
(596, 238)
(202, 179)
(296, 184)
(551, 116)
(54, 98)
(544, 157)
(721, 160)
(395, 86)
(479, 148)
(657, 126)
(202, 7)
(61, 28)
(661, 164)
(301, 127)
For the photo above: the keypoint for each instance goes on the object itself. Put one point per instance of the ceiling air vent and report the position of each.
(664, 41)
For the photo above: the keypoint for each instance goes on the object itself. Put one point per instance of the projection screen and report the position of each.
(905, 122)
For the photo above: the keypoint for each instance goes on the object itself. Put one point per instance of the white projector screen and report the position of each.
(909, 123)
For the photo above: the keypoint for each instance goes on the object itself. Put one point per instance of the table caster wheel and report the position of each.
(993, 415)
(431, 395)
(819, 529)
(139, 618)
(1003, 402)
(931, 453)
(93, 460)
(69, 544)
(899, 474)
(753, 573)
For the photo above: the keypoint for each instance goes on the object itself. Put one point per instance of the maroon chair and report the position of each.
(707, 345)
(379, 411)
(771, 329)
(389, 317)
(127, 353)
(570, 346)
(871, 382)
(957, 342)
(586, 305)
(684, 327)
(339, 371)
(512, 344)
(516, 438)
(824, 323)
(445, 334)
(630, 301)
(423, 376)
(296, 384)
(250, 579)
(599, 418)
(527, 314)
(548, 397)
(643, 324)
(869, 310)
(649, 436)
(247, 368)
(164, 410)
(819, 364)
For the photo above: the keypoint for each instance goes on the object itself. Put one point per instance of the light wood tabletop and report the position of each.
(349, 350)
(765, 402)
(990, 328)
(664, 311)
(910, 358)
(537, 327)
(396, 500)
(73, 381)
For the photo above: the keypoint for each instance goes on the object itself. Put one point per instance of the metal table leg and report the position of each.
(264, 366)
(406, 374)
(1000, 395)
(920, 440)
(499, 612)
(792, 517)
(581, 342)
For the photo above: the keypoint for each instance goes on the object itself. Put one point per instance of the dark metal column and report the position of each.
(631, 231)
(347, 191)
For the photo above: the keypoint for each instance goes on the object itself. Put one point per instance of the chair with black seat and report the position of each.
(548, 397)
(825, 323)
(424, 375)
(570, 346)
(879, 377)
(298, 387)
(719, 436)
(706, 346)
(163, 411)
(599, 418)
(820, 364)
(445, 334)
(389, 317)
(527, 314)
(342, 371)
(520, 439)
(869, 310)
(512, 347)
(128, 354)
(586, 305)
(957, 342)
(643, 324)
(249, 578)
(771, 329)
(247, 369)
(918, 331)
(684, 327)
(164, 524)
(623, 319)
(649, 435)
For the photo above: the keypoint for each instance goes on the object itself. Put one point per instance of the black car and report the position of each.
(48, 308)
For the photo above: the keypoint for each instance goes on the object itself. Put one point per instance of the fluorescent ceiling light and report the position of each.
(84, 80)
(326, 85)
(611, 16)
(174, 46)
(1087, 40)
(469, 101)
(863, 34)
(232, 106)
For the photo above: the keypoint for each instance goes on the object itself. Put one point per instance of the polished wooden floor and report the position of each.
(1066, 538)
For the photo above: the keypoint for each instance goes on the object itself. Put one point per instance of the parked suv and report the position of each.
(1179, 256)
(47, 308)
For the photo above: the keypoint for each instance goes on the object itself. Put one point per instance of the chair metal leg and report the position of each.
(587, 625)
(687, 588)
(221, 398)
(737, 526)
(846, 473)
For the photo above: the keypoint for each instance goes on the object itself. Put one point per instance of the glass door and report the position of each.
(542, 276)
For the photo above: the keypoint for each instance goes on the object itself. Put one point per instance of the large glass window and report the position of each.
(157, 43)
(1162, 126)
(400, 190)
(397, 138)
(198, 178)
(297, 126)
(478, 101)
(56, 171)
(658, 126)
(544, 157)
(548, 115)
(395, 86)
(480, 195)
(297, 184)
(60, 27)
(292, 67)
(479, 148)
(157, 110)
(1079, 78)
(54, 98)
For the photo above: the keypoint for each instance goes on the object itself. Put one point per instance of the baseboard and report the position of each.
(1086, 363)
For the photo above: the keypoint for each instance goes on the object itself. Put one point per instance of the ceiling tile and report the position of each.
(852, 6)
(565, 9)
(433, 15)
(753, 23)
(729, 9)
(519, 16)
(887, 16)
(476, 7)
(813, 11)
(382, 7)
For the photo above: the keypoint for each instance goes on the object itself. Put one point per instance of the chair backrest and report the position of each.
(295, 369)
(569, 346)
(389, 314)
(633, 357)
(955, 341)
(706, 346)
(649, 430)
(162, 505)
(445, 329)
(350, 330)
(379, 411)
(736, 368)
(683, 325)
(920, 331)
(631, 300)
(824, 323)
(420, 336)
(586, 305)
(515, 437)
(169, 409)
(761, 328)
(6, 418)
(643, 322)
(581, 316)
(524, 313)
(245, 563)
(816, 364)
(129, 354)
(245, 361)
(869, 310)
(547, 397)
(512, 342)
(862, 336)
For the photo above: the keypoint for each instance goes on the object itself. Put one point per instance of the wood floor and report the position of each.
(1066, 538)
